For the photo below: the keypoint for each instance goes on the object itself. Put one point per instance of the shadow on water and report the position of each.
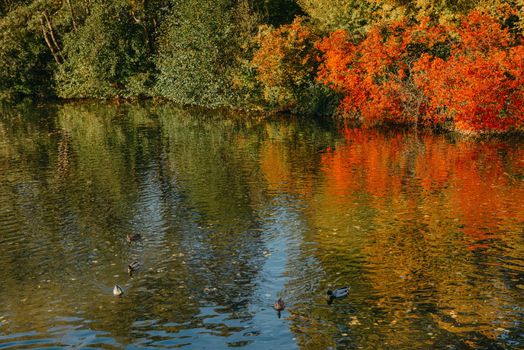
(235, 212)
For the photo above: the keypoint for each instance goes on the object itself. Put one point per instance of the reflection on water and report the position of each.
(234, 212)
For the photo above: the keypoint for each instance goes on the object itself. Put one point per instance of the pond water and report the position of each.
(234, 212)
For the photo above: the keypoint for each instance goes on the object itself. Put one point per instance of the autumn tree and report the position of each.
(374, 74)
(481, 85)
(286, 64)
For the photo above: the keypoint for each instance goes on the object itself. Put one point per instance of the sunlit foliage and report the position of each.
(426, 72)
(451, 63)
(106, 56)
(285, 63)
(374, 75)
(353, 15)
(443, 10)
(481, 85)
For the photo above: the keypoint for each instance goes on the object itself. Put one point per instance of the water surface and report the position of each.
(236, 211)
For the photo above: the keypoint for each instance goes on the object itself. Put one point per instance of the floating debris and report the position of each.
(354, 321)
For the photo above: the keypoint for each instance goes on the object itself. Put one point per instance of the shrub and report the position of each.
(107, 56)
(481, 85)
(374, 75)
(195, 54)
(424, 72)
(286, 64)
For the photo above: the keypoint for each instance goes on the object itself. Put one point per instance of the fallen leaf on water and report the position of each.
(354, 321)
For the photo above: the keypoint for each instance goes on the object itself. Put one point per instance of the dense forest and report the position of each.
(448, 63)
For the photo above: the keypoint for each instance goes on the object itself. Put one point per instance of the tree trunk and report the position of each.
(87, 4)
(48, 42)
(72, 14)
(52, 33)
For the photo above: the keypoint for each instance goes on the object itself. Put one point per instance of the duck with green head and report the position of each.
(337, 293)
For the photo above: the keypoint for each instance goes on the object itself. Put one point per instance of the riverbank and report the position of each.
(22, 107)
(453, 67)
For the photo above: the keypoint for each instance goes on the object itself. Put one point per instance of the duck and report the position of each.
(133, 237)
(279, 306)
(337, 293)
(133, 267)
(118, 291)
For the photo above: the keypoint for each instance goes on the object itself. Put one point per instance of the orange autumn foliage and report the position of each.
(374, 75)
(470, 74)
(481, 85)
(285, 62)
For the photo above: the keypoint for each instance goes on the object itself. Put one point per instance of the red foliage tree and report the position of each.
(471, 74)
(480, 86)
(374, 75)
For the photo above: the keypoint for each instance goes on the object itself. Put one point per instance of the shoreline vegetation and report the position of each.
(447, 64)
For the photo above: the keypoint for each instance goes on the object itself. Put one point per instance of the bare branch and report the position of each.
(52, 33)
(48, 42)
(72, 14)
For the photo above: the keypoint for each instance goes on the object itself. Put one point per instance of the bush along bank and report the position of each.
(448, 64)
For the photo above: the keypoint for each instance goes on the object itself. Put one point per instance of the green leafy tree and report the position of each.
(195, 59)
(108, 55)
(25, 61)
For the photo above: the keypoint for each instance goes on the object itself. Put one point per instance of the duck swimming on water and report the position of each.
(337, 293)
(118, 291)
(279, 306)
(133, 267)
(133, 237)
